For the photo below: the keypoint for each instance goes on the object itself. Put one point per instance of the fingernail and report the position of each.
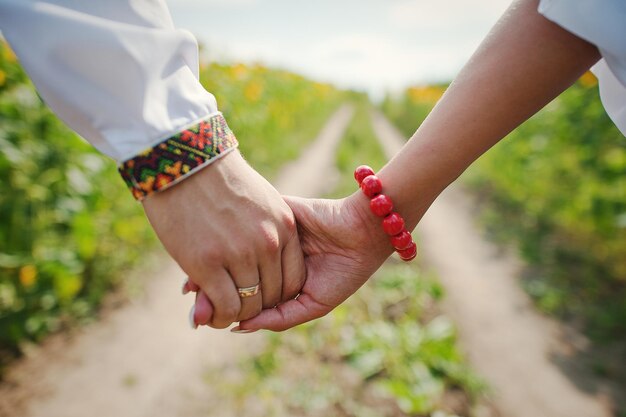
(185, 287)
(192, 319)
(237, 330)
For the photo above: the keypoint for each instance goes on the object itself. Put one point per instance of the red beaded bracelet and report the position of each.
(382, 206)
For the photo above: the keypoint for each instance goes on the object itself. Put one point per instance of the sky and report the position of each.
(371, 45)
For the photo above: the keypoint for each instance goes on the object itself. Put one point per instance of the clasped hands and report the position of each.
(228, 228)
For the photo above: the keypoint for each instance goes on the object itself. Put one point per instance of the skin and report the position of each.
(246, 235)
(524, 63)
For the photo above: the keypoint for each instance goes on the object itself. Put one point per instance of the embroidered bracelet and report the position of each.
(180, 155)
(382, 206)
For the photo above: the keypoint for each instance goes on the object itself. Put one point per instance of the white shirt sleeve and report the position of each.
(116, 71)
(603, 23)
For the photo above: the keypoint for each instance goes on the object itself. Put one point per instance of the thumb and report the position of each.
(286, 315)
(302, 208)
(314, 218)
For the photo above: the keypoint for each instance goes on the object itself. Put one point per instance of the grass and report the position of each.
(359, 146)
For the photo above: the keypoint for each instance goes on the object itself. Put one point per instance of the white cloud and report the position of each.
(361, 61)
(414, 40)
(378, 64)
(444, 14)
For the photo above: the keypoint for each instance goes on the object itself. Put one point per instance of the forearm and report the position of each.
(522, 65)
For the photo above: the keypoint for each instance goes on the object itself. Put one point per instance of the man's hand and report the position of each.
(227, 227)
(343, 245)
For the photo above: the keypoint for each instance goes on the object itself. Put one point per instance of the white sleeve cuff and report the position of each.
(117, 72)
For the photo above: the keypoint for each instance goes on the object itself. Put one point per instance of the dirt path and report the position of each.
(515, 348)
(142, 360)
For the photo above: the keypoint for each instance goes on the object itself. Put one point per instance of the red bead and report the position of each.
(361, 172)
(381, 205)
(371, 186)
(408, 253)
(393, 224)
(402, 241)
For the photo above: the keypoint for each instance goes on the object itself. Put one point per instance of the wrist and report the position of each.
(369, 226)
(381, 205)
(178, 157)
(412, 195)
(214, 179)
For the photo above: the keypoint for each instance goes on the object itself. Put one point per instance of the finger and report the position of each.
(246, 275)
(293, 269)
(303, 209)
(220, 290)
(203, 309)
(189, 286)
(286, 315)
(271, 276)
(193, 286)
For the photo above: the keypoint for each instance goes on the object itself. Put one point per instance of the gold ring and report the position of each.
(246, 292)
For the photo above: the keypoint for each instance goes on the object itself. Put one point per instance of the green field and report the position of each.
(556, 188)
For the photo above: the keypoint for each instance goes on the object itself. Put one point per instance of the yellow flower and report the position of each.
(588, 80)
(239, 71)
(426, 94)
(253, 91)
(322, 89)
(9, 55)
(28, 275)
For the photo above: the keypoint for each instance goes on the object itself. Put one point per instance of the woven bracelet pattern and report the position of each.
(180, 155)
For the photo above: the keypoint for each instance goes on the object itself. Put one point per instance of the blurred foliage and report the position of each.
(69, 227)
(272, 112)
(70, 230)
(386, 351)
(409, 109)
(358, 146)
(557, 187)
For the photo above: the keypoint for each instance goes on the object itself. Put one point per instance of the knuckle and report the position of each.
(219, 324)
(230, 313)
(270, 241)
(289, 223)
(224, 316)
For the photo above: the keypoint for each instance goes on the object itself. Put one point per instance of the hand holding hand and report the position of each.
(343, 245)
(228, 228)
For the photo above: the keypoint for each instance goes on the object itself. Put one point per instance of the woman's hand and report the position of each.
(227, 227)
(343, 245)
